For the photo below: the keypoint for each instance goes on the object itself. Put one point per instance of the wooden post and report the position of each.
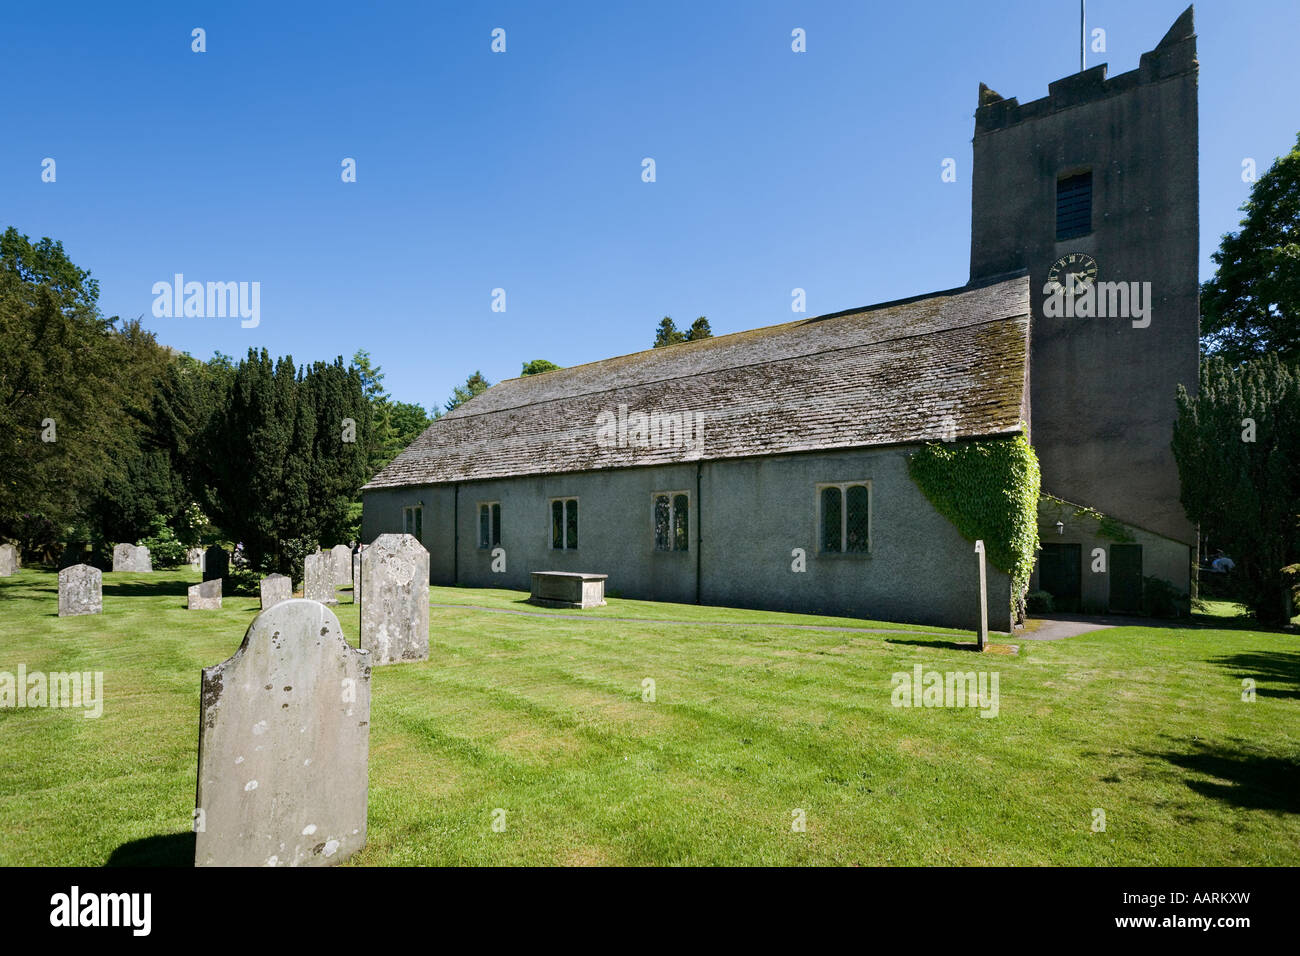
(982, 632)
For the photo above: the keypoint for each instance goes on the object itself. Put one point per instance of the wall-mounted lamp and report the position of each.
(1060, 527)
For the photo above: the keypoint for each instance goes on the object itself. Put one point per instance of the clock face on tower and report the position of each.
(1078, 264)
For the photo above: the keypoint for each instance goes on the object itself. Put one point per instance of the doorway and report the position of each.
(1126, 578)
(1060, 574)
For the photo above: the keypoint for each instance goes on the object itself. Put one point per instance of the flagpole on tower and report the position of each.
(1083, 32)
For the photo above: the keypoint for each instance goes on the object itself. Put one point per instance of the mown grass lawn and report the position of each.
(542, 715)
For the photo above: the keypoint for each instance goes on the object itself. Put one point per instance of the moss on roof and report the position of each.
(902, 372)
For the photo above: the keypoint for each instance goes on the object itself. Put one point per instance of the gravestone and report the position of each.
(194, 557)
(318, 578)
(276, 588)
(284, 740)
(356, 573)
(216, 563)
(81, 590)
(8, 560)
(395, 600)
(123, 554)
(342, 565)
(130, 557)
(206, 596)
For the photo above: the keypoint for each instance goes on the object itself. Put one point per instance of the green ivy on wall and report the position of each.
(989, 490)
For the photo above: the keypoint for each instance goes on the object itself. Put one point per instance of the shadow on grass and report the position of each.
(1243, 780)
(933, 642)
(173, 849)
(1276, 667)
(167, 588)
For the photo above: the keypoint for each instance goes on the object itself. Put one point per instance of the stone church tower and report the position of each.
(1099, 180)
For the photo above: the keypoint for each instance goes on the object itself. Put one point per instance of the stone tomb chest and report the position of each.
(568, 589)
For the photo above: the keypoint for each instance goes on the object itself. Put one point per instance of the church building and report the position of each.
(770, 468)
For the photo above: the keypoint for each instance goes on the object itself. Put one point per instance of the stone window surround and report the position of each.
(672, 527)
(494, 540)
(550, 521)
(413, 520)
(844, 517)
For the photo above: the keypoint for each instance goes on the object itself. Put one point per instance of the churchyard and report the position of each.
(650, 733)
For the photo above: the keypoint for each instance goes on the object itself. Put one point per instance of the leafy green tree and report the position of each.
(383, 434)
(1237, 444)
(408, 421)
(44, 263)
(1252, 305)
(148, 481)
(394, 424)
(538, 366)
(62, 433)
(476, 384)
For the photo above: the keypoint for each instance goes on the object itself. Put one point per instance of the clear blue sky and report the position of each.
(523, 170)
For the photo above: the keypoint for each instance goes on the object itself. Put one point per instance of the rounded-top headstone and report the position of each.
(342, 565)
(8, 560)
(81, 590)
(130, 557)
(274, 589)
(395, 599)
(318, 576)
(284, 740)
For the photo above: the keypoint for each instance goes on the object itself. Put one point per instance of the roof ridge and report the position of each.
(727, 368)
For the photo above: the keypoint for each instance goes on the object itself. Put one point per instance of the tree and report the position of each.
(476, 384)
(277, 467)
(538, 366)
(148, 483)
(62, 433)
(1237, 444)
(1252, 305)
(668, 333)
(408, 422)
(394, 424)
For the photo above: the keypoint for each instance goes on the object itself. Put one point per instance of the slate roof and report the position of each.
(881, 375)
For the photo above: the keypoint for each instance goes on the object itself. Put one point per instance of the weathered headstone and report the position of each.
(130, 557)
(123, 554)
(276, 588)
(216, 563)
(395, 600)
(8, 560)
(194, 557)
(81, 590)
(318, 578)
(206, 596)
(284, 740)
(342, 565)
